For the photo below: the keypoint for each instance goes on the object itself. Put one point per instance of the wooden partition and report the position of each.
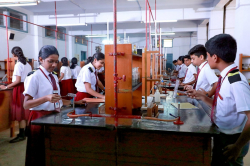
(128, 96)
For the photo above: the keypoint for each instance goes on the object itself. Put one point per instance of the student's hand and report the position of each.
(2, 87)
(80, 102)
(231, 152)
(203, 91)
(103, 97)
(195, 94)
(188, 87)
(182, 84)
(53, 98)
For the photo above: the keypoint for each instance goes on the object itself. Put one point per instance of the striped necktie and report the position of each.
(197, 78)
(215, 98)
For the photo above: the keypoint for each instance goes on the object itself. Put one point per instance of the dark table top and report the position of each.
(195, 120)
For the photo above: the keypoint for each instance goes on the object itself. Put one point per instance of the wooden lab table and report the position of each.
(5, 108)
(135, 142)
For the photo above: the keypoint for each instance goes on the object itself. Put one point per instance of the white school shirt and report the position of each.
(177, 67)
(66, 71)
(182, 70)
(206, 78)
(21, 70)
(229, 113)
(75, 72)
(37, 85)
(191, 70)
(86, 75)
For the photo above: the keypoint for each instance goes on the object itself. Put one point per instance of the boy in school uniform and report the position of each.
(230, 106)
(176, 68)
(182, 68)
(206, 80)
(190, 72)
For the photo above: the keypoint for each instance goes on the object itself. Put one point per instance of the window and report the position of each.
(79, 39)
(1, 17)
(13, 23)
(50, 33)
(168, 42)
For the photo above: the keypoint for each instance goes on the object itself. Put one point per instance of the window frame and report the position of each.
(167, 47)
(8, 10)
(53, 37)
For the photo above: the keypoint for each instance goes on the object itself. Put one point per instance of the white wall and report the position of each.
(21, 39)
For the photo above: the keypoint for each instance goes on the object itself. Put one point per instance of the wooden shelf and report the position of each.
(245, 56)
(245, 70)
(136, 86)
(136, 55)
(3, 69)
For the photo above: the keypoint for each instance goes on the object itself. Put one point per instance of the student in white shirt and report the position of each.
(230, 105)
(87, 82)
(206, 79)
(75, 70)
(182, 68)
(190, 72)
(65, 79)
(42, 97)
(18, 113)
(176, 68)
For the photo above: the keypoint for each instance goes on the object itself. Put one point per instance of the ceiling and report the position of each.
(189, 26)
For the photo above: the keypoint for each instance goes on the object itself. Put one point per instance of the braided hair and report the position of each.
(17, 51)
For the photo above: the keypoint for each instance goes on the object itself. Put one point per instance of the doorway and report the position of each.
(170, 61)
(83, 56)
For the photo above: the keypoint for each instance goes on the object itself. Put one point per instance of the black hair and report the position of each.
(198, 50)
(46, 51)
(98, 56)
(17, 51)
(187, 56)
(222, 45)
(181, 58)
(64, 61)
(174, 61)
(73, 63)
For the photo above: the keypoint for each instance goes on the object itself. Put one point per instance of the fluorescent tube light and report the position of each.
(162, 21)
(166, 33)
(65, 25)
(17, 4)
(17, 1)
(96, 36)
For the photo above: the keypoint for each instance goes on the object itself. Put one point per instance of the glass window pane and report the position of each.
(168, 42)
(15, 23)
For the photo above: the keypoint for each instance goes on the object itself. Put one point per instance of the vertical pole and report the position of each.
(91, 41)
(149, 31)
(56, 24)
(108, 31)
(8, 59)
(146, 25)
(115, 62)
(160, 52)
(65, 45)
(87, 49)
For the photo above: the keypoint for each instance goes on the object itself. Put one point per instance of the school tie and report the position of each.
(215, 98)
(197, 78)
(53, 81)
(186, 73)
(96, 85)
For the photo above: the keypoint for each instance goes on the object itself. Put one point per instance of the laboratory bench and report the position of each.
(96, 141)
(5, 108)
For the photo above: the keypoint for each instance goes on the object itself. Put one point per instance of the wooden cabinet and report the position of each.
(241, 67)
(128, 96)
